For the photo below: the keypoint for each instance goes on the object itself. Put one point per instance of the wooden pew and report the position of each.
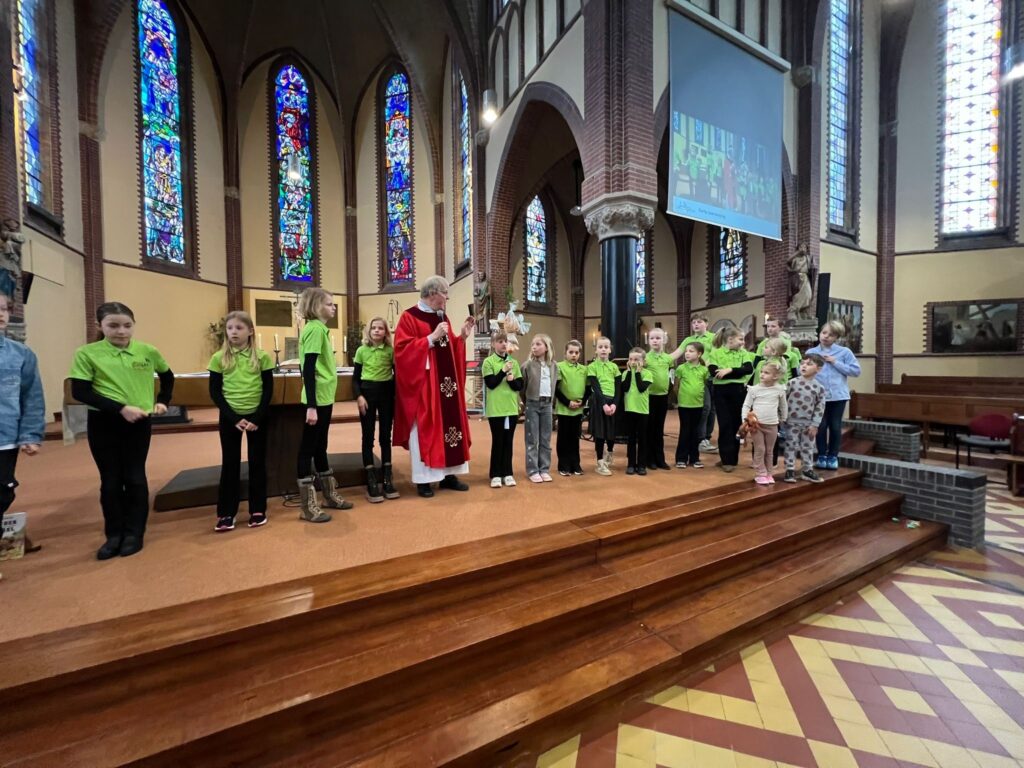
(1015, 467)
(980, 388)
(1013, 381)
(925, 409)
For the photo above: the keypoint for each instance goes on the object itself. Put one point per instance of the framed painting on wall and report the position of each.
(973, 327)
(850, 314)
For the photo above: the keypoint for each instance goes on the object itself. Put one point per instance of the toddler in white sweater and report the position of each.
(767, 401)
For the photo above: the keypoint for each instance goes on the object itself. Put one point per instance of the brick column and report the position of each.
(10, 193)
(895, 23)
(92, 224)
(232, 203)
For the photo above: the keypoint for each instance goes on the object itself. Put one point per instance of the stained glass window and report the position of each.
(971, 116)
(32, 57)
(397, 145)
(536, 253)
(641, 269)
(841, 111)
(160, 96)
(466, 155)
(731, 257)
(292, 120)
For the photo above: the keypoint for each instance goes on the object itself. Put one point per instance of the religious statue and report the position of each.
(482, 301)
(800, 293)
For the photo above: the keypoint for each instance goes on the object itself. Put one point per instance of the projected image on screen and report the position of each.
(725, 133)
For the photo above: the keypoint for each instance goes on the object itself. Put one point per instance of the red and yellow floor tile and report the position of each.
(924, 668)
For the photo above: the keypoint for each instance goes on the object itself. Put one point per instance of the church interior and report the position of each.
(598, 171)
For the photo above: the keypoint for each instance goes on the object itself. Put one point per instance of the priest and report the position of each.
(430, 381)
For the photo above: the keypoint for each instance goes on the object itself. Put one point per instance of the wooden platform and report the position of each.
(474, 654)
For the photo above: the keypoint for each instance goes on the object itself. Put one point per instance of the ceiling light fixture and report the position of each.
(490, 110)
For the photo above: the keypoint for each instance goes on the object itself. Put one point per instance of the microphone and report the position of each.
(440, 316)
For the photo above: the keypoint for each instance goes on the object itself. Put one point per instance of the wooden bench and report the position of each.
(927, 409)
(1011, 381)
(981, 388)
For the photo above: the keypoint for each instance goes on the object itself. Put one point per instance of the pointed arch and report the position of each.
(395, 163)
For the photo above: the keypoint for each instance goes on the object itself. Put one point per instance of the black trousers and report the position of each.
(567, 443)
(120, 450)
(8, 461)
(501, 444)
(691, 429)
(728, 406)
(313, 447)
(636, 438)
(656, 430)
(231, 468)
(380, 405)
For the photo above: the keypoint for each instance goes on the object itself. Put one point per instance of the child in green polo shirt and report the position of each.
(730, 366)
(700, 333)
(241, 385)
(603, 379)
(570, 395)
(636, 381)
(504, 381)
(659, 363)
(373, 383)
(691, 383)
(777, 350)
(114, 377)
(319, 386)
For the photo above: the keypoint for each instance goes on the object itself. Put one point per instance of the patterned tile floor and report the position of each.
(925, 668)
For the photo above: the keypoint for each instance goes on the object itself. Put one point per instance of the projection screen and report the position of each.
(725, 131)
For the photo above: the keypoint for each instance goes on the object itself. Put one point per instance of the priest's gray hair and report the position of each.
(433, 285)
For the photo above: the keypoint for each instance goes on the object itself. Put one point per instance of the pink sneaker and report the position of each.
(771, 480)
(536, 479)
(546, 477)
(761, 480)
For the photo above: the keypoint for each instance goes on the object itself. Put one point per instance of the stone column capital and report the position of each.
(620, 214)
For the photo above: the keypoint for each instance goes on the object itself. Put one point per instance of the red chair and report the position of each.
(990, 431)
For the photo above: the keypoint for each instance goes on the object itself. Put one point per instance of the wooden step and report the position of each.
(380, 590)
(359, 654)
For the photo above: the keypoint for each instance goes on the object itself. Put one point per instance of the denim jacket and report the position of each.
(833, 376)
(22, 411)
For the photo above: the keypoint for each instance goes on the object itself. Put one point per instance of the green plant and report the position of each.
(215, 334)
(354, 337)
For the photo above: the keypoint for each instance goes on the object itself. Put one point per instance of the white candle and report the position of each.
(766, 316)
(276, 347)
(259, 340)
(645, 338)
(333, 348)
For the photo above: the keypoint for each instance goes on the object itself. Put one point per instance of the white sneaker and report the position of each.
(707, 447)
(495, 482)
(602, 468)
(610, 459)
(509, 480)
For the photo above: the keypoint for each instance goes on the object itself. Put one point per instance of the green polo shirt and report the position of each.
(792, 354)
(123, 375)
(659, 364)
(784, 362)
(724, 357)
(692, 381)
(502, 400)
(706, 338)
(606, 372)
(572, 382)
(378, 362)
(316, 340)
(243, 387)
(636, 401)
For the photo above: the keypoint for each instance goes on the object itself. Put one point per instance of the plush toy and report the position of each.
(748, 427)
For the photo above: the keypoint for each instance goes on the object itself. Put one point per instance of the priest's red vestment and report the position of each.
(430, 390)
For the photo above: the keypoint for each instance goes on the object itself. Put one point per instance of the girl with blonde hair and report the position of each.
(540, 379)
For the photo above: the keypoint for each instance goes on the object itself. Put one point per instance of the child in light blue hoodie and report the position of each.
(22, 412)
(840, 363)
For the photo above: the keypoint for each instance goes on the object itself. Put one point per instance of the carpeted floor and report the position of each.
(184, 560)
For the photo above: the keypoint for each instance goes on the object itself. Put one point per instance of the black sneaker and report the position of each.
(641, 470)
(452, 483)
(577, 470)
(790, 476)
(256, 519)
(680, 465)
(697, 465)
(424, 490)
(564, 473)
(630, 470)
(225, 523)
(811, 476)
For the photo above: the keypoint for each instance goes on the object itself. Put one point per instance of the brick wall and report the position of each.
(953, 497)
(900, 440)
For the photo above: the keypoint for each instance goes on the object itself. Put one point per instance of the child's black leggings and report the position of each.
(380, 406)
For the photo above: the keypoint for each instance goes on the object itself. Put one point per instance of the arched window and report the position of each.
(727, 264)
(167, 193)
(39, 137)
(537, 265)
(643, 262)
(294, 201)
(843, 114)
(465, 152)
(396, 189)
(973, 133)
